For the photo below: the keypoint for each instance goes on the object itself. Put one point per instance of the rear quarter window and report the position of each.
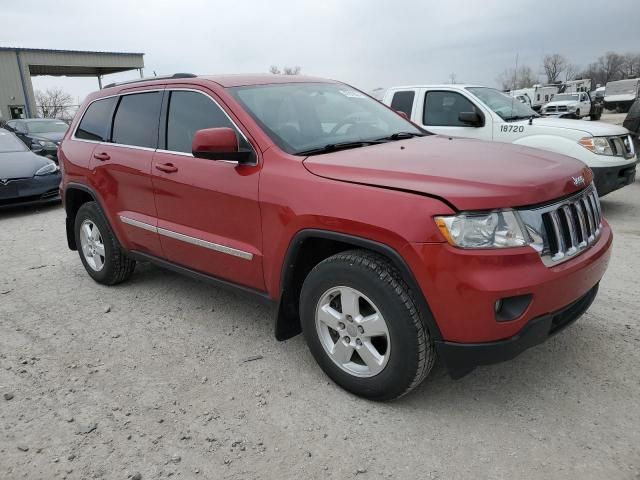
(96, 120)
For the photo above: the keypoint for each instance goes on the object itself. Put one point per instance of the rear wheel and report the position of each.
(362, 326)
(101, 254)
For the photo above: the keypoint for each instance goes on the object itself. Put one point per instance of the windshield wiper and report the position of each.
(332, 147)
(401, 136)
(520, 117)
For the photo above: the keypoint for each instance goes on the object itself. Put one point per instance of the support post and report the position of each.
(99, 81)
(140, 70)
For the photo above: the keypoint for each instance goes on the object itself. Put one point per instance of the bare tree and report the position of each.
(570, 72)
(610, 65)
(453, 78)
(554, 65)
(285, 70)
(53, 102)
(512, 79)
(631, 65)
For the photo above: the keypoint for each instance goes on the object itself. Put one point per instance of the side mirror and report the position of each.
(402, 114)
(219, 144)
(36, 148)
(471, 118)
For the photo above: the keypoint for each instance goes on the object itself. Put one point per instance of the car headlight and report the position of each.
(571, 108)
(48, 169)
(46, 143)
(599, 145)
(496, 229)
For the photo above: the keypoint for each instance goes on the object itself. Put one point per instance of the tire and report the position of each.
(109, 264)
(578, 114)
(401, 339)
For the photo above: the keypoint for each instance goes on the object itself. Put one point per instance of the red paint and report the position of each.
(388, 193)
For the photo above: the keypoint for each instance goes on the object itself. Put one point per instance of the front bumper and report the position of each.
(608, 179)
(30, 191)
(462, 358)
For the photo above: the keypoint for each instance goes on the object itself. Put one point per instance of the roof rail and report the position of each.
(148, 79)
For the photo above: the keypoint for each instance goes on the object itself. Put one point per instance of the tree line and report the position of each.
(557, 68)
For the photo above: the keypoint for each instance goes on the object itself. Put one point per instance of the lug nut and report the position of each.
(347, 340)
(360, 329)
(358, 342)
(340, 326)
(349, 318)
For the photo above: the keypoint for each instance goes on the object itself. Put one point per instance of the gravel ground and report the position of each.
(147, 380)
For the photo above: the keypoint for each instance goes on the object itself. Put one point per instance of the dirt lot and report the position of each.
(148, 378)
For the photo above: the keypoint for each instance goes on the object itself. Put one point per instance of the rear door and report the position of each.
(121, 168)
(403, 101)
(208, 211)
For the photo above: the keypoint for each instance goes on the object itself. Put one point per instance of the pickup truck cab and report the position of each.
(384, 245)
(488, 114)
(572, 105)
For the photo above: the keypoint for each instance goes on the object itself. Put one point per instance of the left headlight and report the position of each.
(46, 143)
(598, 145)
(496, 229)
(48, 169)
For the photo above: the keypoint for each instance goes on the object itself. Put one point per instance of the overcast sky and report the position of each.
(363, 42)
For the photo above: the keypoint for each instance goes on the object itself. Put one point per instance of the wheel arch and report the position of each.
(308, 248)
(76, 195)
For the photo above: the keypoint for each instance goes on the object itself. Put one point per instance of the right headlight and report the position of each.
(598, 145)
(496, 229)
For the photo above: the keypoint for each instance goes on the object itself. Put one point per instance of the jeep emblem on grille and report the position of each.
(577, 181)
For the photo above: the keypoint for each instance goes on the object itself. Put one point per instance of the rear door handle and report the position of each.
(101, 156)
(166, 167)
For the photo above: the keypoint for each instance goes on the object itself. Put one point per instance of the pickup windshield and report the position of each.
(565, 97)
(312, 118)
(508, 108)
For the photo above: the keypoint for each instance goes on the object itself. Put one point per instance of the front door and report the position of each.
(208, 211)
(441, 111)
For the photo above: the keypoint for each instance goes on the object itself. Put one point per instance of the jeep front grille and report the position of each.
(566, 228)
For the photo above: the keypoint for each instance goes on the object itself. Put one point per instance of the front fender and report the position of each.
(561, 145)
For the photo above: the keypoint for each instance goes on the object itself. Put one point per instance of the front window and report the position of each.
(565, 97)
(507, 108)
(303, 117)
(47, 126)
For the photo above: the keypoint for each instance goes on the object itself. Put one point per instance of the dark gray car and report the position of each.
(25, 178)
(42, 135)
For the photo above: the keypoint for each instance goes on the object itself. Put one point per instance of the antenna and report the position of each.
(515, 76)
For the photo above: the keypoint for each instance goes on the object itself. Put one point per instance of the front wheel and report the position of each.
(362, 325)
(578, 114)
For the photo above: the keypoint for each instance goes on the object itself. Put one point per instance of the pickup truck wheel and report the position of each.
(362, 326)
(102, 256)
(578, 114)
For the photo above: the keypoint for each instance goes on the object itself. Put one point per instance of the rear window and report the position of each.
(136, 120)
(95, 122)
(403, 102)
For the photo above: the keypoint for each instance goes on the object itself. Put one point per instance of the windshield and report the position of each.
(10, 143)
(47, 126)
(564, 97)
(301, 117)
(508, 108)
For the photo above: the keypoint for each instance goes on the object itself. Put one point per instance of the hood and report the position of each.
(469, 174)
(53, 136)
(20, 164)
(597, 129)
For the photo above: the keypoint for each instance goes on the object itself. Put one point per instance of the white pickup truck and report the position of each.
(572, 105)
(488, 114)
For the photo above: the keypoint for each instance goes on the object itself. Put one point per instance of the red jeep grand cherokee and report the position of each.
(385, 245)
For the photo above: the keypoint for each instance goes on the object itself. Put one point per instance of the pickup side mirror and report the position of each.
(219, 144)
(473, 119)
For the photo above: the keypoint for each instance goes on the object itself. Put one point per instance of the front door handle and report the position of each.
(101, 156)
(166, 167)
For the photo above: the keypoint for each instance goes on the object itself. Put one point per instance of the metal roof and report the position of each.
(48, 50)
